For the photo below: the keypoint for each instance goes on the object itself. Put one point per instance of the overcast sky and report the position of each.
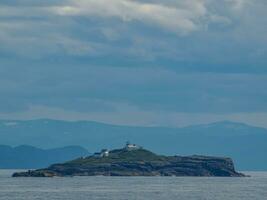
(136, 62)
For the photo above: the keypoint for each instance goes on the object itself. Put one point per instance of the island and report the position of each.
(133, 160)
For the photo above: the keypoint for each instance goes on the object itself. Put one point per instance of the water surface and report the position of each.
(134, 188)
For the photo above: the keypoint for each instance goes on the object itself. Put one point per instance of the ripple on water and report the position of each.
(132, 188)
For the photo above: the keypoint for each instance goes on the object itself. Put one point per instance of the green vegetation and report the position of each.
(138, 162)
(120, 155)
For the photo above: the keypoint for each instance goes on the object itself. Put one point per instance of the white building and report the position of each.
(103, 153)
(131, 147)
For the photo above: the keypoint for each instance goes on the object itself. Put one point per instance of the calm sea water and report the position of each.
(133, 188)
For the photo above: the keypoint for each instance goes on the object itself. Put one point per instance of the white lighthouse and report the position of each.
(131, 147)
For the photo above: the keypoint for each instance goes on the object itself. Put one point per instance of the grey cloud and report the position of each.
(87, 57)
(223, 39)
(37, 3)
(177, 20)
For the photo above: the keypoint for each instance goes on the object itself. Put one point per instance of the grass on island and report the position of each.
(120, 155)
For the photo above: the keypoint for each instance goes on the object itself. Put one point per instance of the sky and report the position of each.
(134, 62)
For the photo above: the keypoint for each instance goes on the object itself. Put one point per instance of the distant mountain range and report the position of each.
(28, 157)
(247, 145)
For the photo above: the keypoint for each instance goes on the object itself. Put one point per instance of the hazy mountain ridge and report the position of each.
(27, 157)
(245, 144)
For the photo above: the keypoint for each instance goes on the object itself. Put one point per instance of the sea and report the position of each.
(134, 188)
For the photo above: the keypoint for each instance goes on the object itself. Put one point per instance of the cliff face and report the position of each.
(139, 163)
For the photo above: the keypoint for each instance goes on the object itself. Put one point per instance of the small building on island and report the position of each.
(102, 153)
(131, 147)
(105, 152)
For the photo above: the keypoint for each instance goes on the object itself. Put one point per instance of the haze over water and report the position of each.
(130, 188)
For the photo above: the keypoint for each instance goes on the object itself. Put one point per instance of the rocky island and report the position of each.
(133, 160)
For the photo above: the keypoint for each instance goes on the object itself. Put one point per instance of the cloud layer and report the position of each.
(144, 57)
(181, 19)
